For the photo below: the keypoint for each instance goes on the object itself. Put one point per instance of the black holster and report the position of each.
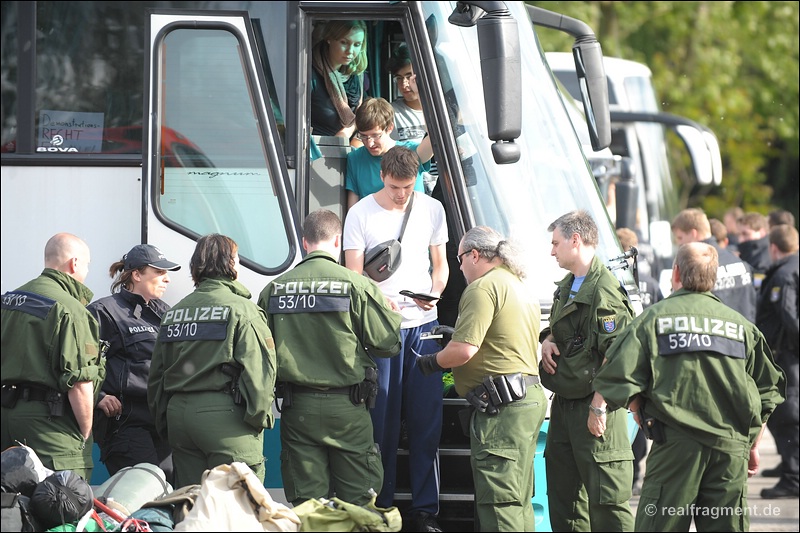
(55, 400)
(283, 390)
(235, 373)
(652, 428)
(495, 391)
(366, 392)
(9, 396)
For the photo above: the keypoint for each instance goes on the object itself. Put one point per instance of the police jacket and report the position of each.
(756, 254)
(703, 370)
(583, 328)
(327, 322)
(215, 324)
(778, 307)
(48, 336)
(130, 326)
(734, 282)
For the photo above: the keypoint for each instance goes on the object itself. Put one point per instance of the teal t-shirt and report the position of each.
(364, 171)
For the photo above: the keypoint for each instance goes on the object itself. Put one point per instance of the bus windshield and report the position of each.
(551, 178)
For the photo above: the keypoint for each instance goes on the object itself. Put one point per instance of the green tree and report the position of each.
(732, 66)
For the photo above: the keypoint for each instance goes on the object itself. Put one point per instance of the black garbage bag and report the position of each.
(62, 498)
(21, 470)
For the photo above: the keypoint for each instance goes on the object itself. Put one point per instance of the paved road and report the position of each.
(765, 515)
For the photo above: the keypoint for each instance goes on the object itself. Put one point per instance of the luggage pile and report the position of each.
(138, 498)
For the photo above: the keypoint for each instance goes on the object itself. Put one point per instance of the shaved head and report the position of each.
(69, 254)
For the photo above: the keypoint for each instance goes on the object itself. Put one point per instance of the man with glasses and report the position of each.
(409, 120)
(375, 123)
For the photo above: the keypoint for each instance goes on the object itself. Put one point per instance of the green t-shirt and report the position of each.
(500, 315)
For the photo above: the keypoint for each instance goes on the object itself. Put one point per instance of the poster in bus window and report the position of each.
(70, 131)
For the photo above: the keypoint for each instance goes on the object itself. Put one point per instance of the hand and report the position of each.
(753, 461)
(596, 424)
(549, 352)
(425, 305)
(110, 405)
(445, 331)
(428, 365)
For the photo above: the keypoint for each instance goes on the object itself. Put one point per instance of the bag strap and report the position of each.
(405, 218)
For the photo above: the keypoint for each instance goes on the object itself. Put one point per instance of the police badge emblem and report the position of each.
(609, 324)
(775, 294)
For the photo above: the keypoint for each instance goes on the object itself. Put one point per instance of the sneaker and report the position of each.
(422, 521)
(780, 491)
(772, 472)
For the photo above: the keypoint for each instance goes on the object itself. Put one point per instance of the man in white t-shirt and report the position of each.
(403, 389)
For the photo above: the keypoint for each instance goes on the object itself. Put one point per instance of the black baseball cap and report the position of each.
(147, 254)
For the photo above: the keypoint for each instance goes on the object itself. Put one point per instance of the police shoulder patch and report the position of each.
(775, 294)
(609, 324)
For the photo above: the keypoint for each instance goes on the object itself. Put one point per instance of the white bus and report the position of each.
(159, 122)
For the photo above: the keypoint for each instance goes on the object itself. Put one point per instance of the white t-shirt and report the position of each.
(368, 224)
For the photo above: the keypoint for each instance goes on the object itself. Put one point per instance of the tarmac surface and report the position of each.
(765, 515)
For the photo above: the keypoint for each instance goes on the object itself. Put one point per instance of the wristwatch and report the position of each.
(598, 411)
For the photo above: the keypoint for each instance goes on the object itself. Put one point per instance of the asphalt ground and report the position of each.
(765, 515)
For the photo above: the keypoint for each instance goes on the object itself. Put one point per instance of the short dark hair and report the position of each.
(213, 257)
(321, 225)
(780, 216)
(400, 58)
(400, 163)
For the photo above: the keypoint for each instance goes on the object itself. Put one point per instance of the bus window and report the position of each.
(220, 180)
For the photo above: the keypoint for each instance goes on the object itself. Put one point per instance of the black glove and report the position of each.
(428, 365)
(445, 331)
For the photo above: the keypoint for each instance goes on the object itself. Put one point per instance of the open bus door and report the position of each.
(206, 83)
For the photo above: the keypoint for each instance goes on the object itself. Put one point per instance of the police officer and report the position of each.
(734, 285)
(588, 453)
(129, 321)
(52, 365)
(493, 354)
(700, 379)
(328, 321)
(212, 376)
(777, 318)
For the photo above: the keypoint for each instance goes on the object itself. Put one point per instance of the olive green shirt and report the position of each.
(498, 314)
(215, 324)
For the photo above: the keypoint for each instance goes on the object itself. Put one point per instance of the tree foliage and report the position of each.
(731, 66)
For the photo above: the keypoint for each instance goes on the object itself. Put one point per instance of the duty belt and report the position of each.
(496, 391)
(332, 390)
(33, 393)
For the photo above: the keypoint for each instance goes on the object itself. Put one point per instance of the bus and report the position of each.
(159, 122)
(639, 130)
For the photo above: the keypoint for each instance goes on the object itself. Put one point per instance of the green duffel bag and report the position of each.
(337, 515)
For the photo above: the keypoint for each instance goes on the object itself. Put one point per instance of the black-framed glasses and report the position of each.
(400, 79)
(374, 138)
(462, 254)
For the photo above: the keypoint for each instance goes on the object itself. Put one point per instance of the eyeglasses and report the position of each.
(374, 138)
(462, 254)
(407, 77)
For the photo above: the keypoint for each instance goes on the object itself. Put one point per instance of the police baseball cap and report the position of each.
(148, 255)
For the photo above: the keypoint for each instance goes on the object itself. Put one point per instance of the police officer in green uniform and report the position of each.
(588, 453)
(493, 354)
(212, 376)
(328, 321)
(52, 365)
(701, 381)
